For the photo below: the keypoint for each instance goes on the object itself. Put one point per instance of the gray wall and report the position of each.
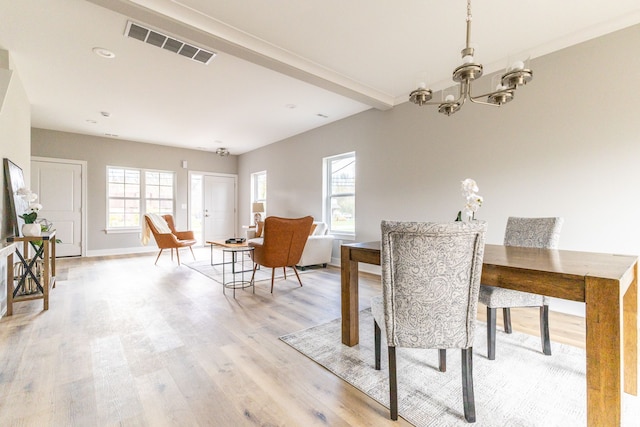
(568, 145)
(102, 152)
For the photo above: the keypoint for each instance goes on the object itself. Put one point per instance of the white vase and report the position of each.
(31, 230)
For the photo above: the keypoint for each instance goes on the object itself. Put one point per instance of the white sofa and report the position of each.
(317, 250)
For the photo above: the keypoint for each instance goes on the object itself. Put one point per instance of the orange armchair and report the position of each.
(284, 240)
(172, 239)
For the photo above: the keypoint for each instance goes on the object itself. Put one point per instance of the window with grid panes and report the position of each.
(340, 193)
(127, 203)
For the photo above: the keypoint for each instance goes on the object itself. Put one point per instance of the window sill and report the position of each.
(122, 230)
(343, 236)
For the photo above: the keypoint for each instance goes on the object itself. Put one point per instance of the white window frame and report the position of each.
(255, 196)
(142, 199)
(328, 196)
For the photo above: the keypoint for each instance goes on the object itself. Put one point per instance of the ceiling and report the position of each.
(282, 67)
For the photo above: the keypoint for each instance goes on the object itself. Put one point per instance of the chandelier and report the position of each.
(516, 75)
(222, 152)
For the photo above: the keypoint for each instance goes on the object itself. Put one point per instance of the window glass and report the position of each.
(127, 203)
(340, 190)
(259, 194)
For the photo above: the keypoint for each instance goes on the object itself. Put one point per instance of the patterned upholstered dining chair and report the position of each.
(430, 281)
(530, 233)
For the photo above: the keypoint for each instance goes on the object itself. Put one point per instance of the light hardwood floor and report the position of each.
(128, 343)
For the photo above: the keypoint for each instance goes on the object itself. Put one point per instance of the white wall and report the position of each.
(15, 123)
(568, 145)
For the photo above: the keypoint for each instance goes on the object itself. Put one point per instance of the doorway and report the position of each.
(60, 185)
(213, 206)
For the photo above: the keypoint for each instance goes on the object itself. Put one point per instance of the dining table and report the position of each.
(606, 283)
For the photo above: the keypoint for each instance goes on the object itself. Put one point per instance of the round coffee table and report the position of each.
(236, 282)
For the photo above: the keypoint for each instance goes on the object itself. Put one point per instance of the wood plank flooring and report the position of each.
(128, 343)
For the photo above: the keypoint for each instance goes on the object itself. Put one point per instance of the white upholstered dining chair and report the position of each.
(430, 281)
(530, 233)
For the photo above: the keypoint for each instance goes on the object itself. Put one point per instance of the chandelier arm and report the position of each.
(495, 92)
(474, 99)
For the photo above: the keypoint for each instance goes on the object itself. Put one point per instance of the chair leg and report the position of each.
(255, 267)
(284, 271)
(158, 257)
(442, 360)
(376, 339)
(171, 254)
(178, 256)
(544, 330)
(393, 384)
(297, 275)
(273, 272)
(467, 385)
(192, 254)
(491, 333)
(506, 316)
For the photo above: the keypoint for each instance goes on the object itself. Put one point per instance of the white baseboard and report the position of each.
(121, 251)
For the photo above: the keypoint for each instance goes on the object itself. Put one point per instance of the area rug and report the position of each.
(522, 387)
(214, 272)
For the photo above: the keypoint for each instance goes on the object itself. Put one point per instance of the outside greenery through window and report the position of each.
(127, 204)
(340, 189)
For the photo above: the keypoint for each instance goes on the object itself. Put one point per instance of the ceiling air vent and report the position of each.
(147, 35)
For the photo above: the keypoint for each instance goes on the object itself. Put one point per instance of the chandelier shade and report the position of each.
(517, 74)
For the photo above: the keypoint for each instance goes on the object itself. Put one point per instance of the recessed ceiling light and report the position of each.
(290, 106)
(105, 113)
(324, 116)
(104, 53)
(91, 121)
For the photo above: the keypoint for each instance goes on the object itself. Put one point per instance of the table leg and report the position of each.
(604, 357)
(45, 282)
(630, 330)
(10, 279)
(349, 297)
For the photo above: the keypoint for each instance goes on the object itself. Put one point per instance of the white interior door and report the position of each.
(219, 207)
(59, 188)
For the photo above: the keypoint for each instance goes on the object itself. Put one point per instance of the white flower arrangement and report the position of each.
(30, 197)
(473, 199)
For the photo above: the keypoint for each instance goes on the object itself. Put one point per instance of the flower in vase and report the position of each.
(473, 199)
(30, 197)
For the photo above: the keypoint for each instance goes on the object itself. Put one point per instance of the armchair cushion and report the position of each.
(318, 248)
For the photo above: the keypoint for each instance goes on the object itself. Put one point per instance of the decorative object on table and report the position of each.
(473, 200)
(420, 260)
(30, 226)
(524, 232)
(258, 210)
(14, 180)
(516, 74)
(236, 240)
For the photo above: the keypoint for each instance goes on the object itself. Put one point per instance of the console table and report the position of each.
(44, 248)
